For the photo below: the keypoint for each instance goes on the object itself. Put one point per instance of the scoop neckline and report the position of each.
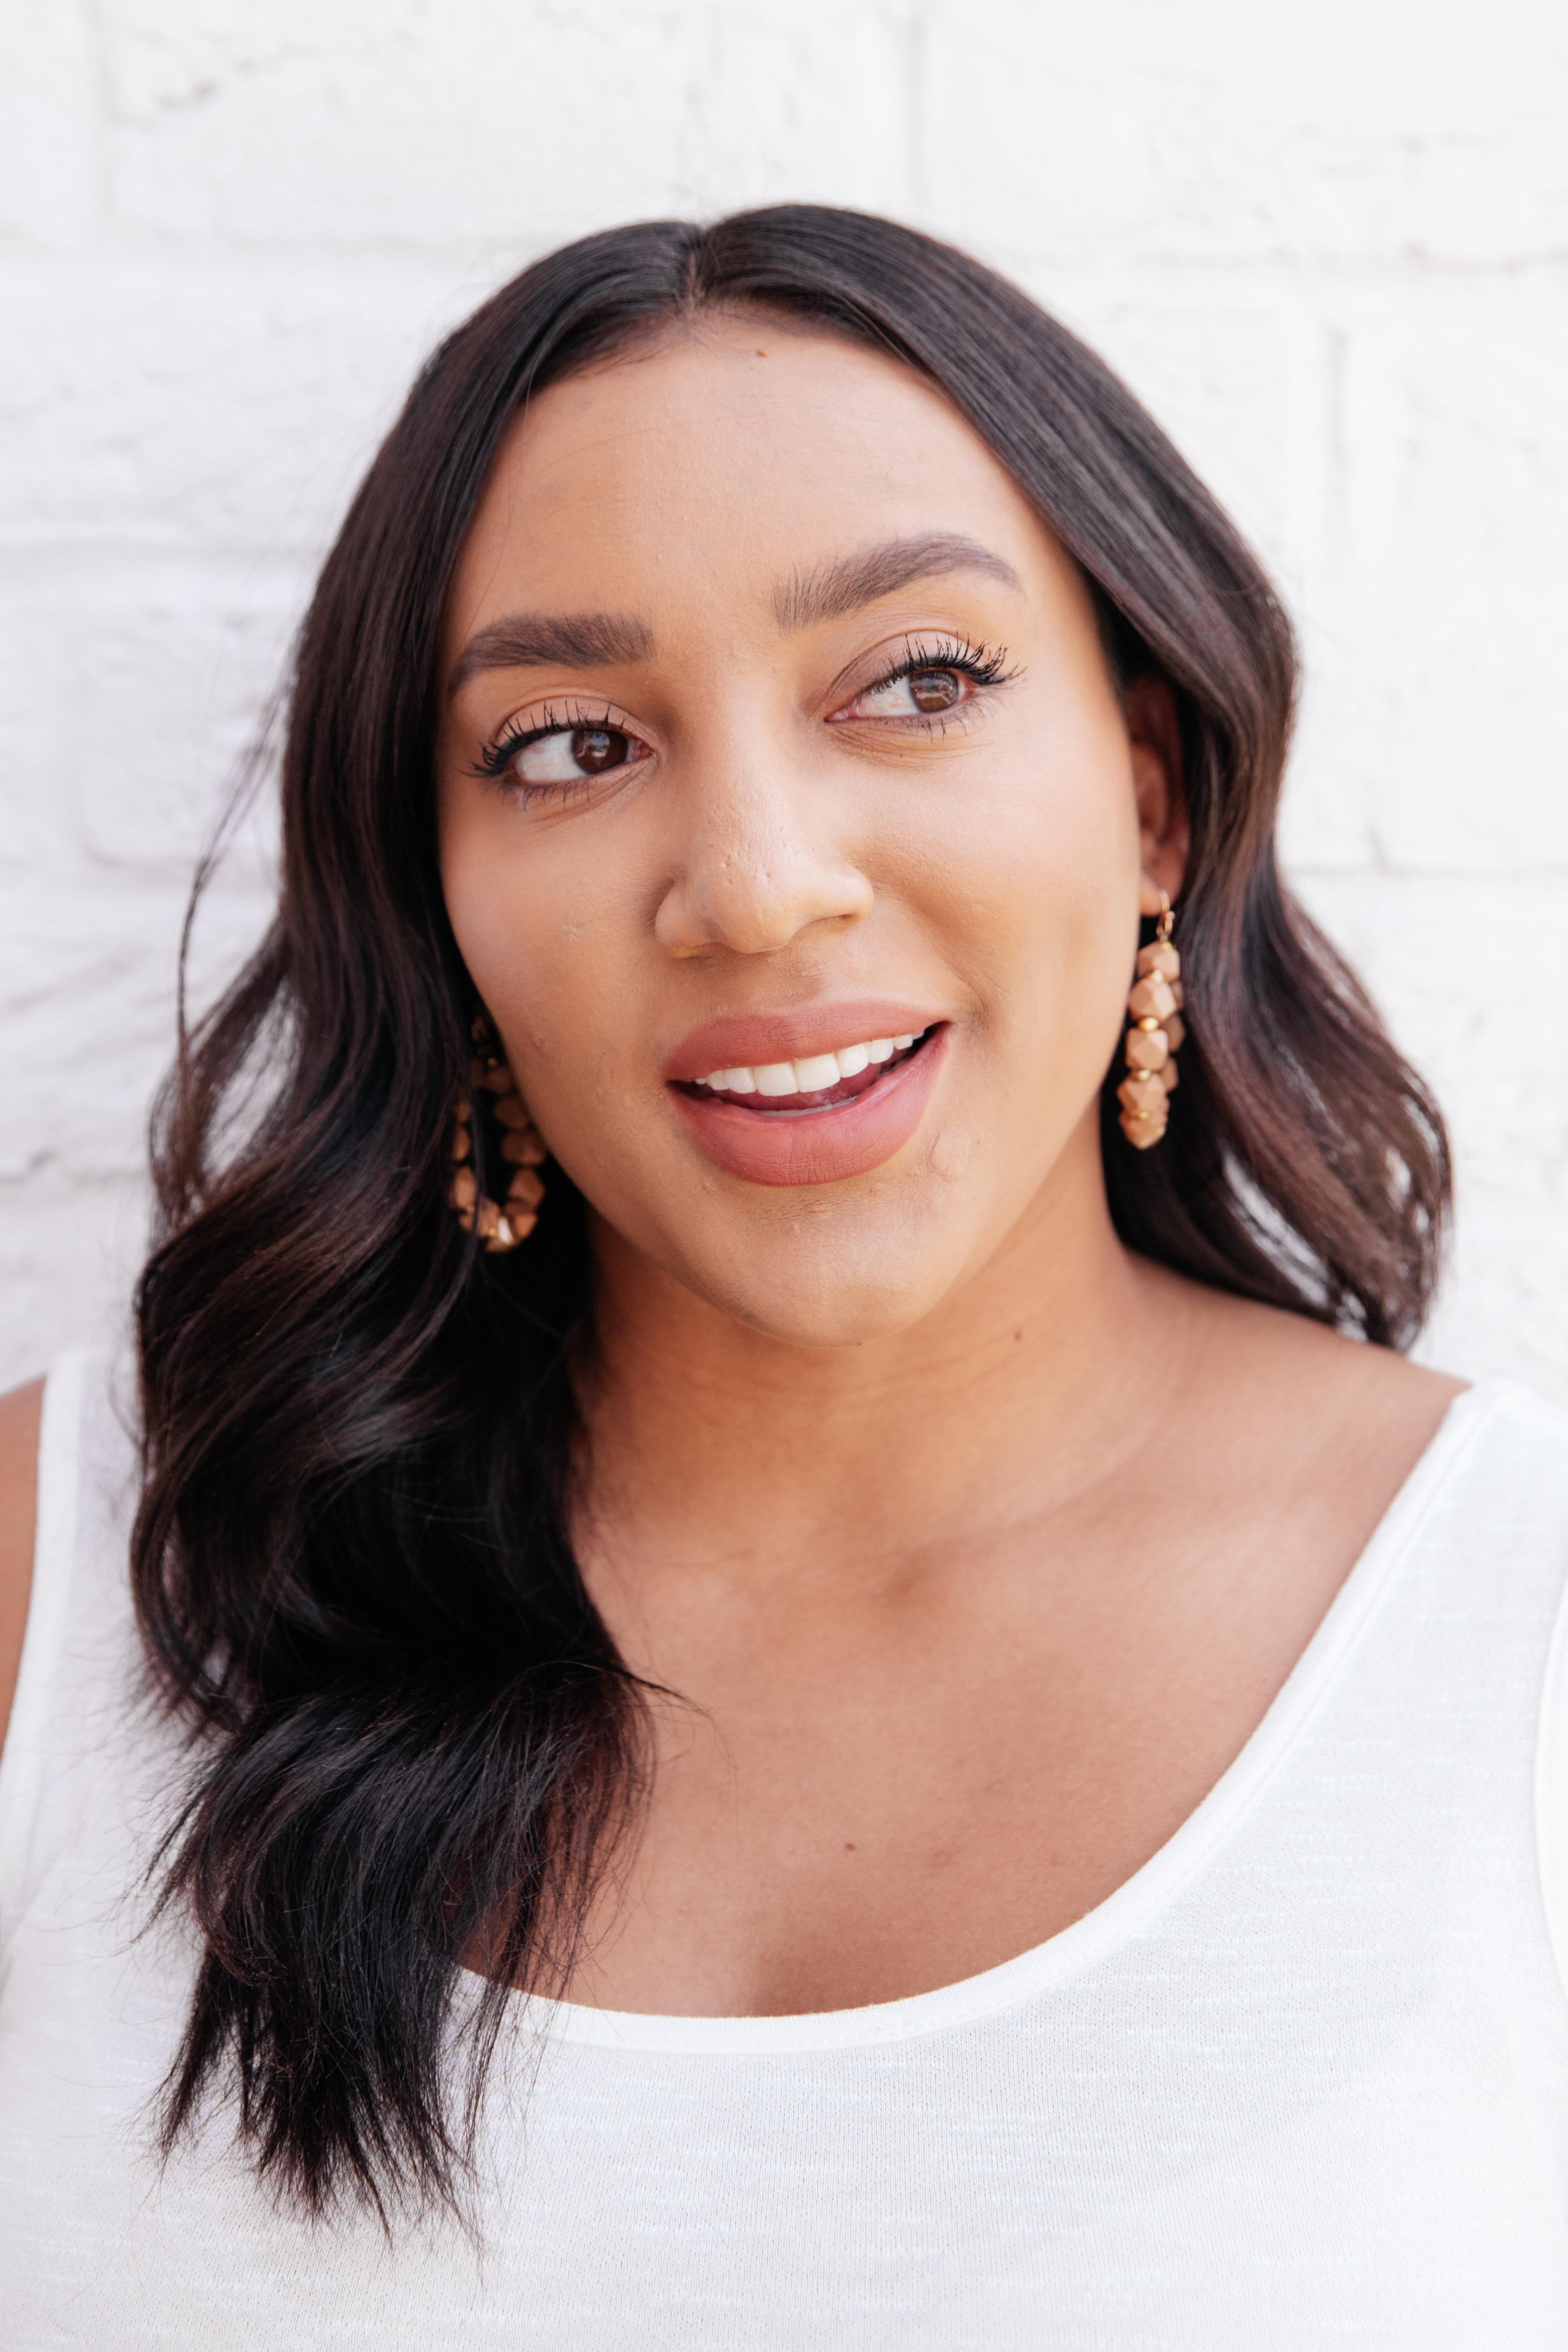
(1118, 1917)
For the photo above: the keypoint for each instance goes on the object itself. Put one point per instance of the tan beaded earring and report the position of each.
(1157, 1030)
(501, 1226)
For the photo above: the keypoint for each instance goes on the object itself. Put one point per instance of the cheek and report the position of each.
(513, 940)
(550, 960)
(1034, 891)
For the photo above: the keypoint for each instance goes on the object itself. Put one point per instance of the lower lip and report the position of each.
(817, 1147)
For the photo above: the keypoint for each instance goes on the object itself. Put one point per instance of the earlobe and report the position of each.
(1164, 857)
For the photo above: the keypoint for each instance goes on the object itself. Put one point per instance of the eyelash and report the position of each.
(494, 758)
(981, 665)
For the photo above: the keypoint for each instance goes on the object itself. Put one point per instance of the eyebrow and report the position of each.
(603, 640)
(549, 640)
(843, 586)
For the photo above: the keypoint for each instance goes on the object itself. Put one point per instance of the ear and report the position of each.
(1154, 733)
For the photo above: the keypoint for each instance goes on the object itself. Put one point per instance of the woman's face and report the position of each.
(779, 752)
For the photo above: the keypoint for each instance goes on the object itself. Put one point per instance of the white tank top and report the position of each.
(1301, 2083)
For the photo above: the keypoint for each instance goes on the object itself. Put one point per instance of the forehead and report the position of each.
(722, 457)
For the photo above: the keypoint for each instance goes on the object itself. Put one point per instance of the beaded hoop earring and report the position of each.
(1157, 1030)
(500, 1225)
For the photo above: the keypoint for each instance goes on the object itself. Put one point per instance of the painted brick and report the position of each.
(1223, 131)
(39, 840)
(50, 160)
(204, 406)
(1464, 971)
(481, 118)
(1497, 1313)
(1457, 463)
(77, 1101)
(1431, 740)
(140, 686)
(173, 670)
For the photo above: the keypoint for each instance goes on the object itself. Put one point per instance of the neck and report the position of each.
(710, 1443)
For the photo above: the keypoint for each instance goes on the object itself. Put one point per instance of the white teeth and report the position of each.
(813, 1073)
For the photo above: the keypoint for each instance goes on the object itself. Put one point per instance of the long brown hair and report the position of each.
(352, 1561)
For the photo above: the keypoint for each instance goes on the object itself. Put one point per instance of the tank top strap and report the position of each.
(25, 1761)
(78, 1649)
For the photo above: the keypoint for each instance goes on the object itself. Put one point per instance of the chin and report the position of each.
(810, 1288)
(822, 1320)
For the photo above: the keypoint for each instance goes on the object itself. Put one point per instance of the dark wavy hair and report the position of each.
(412, 1737)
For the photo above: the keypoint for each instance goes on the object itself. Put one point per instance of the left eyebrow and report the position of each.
(552, 640)
(858, 579)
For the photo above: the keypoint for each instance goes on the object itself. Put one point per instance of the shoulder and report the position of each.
(1292, 1392)
(20, 1418)
(1339, 1428)
(1290, 1442)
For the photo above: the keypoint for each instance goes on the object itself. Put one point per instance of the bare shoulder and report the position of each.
(1327, 1384)
(1329, 1427)
(20, 1414)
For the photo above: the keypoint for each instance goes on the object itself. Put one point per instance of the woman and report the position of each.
(816, 1676)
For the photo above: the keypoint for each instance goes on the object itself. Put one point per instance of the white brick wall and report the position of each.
(1328, 245)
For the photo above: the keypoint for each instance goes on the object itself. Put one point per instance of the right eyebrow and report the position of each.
(548, 640)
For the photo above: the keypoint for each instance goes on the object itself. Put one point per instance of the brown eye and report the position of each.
(594, 748)
(934, 689)
(926, 691)
(566, 754)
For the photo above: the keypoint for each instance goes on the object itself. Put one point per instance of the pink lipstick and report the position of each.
(810, 1096)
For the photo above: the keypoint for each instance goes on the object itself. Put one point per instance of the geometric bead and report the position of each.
(526, 1190)
(1168, 1076)
(1161, 957)
(510, 1111)
(462, 1143)
(524, 1147)
(1153, 996)
(1176, 1031)
(496, 1081)
(1142, 1132)
(1143, 1092)
(464, 1189)
(1148, 1049)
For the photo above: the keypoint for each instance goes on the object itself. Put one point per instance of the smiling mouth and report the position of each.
(815, 1082)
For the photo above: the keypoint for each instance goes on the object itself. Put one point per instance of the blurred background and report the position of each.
(1327, 246)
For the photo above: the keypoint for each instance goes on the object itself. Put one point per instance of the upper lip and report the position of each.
(741, 1040)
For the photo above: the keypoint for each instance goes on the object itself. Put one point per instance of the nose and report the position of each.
(760, 862)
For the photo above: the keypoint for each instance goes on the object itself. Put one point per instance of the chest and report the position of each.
(869, 1807)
